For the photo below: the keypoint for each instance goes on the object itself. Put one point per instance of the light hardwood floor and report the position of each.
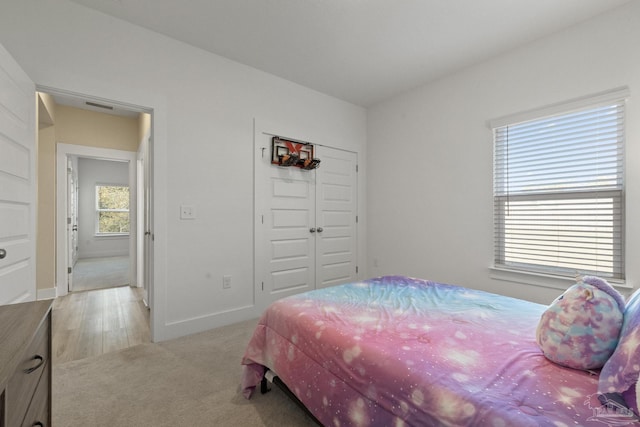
(91, 323)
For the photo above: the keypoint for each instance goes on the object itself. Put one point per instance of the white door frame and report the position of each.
(72, 211)
(63, 153)
(143, 220)
(140, 276)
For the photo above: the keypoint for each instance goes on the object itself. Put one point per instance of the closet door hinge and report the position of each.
(69, 270)
(356, 219)
(263, 286)
(262, 218)
(356, 168)
(356, 269)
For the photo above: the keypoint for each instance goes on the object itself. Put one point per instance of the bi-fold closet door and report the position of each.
(306, 223)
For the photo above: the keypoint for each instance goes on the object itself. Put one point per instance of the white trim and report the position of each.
(206, 322)
(561, 107)
(100, 100)
(545, 280)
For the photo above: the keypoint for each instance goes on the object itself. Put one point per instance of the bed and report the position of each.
(400, 351)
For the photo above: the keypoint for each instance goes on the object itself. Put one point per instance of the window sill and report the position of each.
(110, 235)
(546, 280)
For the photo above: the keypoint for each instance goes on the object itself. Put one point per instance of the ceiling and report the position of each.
(361, 51)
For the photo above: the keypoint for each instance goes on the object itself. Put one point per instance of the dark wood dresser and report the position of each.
(25, 364)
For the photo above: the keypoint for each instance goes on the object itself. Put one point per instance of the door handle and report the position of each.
(312, 230)
(75, 228)
(39, 362)
(320, 229)
(3, 253)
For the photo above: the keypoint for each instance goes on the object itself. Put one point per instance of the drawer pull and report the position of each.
(37, 424)
(33, 368)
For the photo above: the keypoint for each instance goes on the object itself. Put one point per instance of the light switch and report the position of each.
(187, 212)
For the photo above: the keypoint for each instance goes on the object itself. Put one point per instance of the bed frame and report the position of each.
(270, 377)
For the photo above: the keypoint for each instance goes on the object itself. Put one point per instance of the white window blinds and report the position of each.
(558, 192)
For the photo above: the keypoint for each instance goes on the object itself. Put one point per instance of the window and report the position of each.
(558, 189)
(112, 209)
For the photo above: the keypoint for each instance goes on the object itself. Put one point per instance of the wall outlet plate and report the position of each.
(187, 212)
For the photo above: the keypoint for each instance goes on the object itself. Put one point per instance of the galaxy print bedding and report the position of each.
(399, 351)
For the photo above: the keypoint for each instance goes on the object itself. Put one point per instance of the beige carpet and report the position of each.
(100, 273)
(190, 381)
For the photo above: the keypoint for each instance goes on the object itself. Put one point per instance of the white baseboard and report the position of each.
(211, 321)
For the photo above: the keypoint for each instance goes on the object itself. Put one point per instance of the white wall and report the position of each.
(92, 172)
(203, 111)
(430, 152)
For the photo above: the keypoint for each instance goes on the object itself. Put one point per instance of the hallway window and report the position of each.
(112, 209)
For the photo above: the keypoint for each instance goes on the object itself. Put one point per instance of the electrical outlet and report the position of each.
(187, 212)
(226, 282)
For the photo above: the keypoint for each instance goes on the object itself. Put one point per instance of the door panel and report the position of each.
(17, 182)
(337, 210)
(290, 279)
(290, 248)
(288, 215)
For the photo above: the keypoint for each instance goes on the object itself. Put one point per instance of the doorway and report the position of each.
(95, 246)
(137, 165)
(99, 198)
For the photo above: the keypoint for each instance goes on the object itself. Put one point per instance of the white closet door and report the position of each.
(17, 183)
(288, 215)
(305, 235)
(336, 207)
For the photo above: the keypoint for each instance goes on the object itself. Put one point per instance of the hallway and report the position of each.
(100, 273)
(95, 322)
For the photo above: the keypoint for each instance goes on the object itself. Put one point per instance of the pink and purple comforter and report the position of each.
(398, 351)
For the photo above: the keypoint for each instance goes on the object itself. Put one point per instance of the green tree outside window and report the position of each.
(112, 207)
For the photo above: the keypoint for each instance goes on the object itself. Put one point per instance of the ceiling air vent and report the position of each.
(93, 104)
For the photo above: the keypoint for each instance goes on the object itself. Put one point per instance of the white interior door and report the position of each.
(336, 221)
(287, 220)
(305, 223)
(17, 183)
(144, 219)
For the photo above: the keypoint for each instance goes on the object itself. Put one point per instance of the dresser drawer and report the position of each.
(38, 413)
(22, 384)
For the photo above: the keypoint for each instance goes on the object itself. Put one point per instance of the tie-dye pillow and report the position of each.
(620, 374)
(580, 328)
